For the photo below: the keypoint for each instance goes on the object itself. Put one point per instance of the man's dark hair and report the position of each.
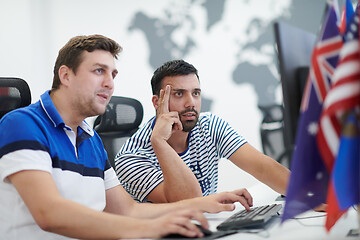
(71, 54)
(171, 68)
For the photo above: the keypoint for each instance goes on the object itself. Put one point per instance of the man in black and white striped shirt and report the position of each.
(176, 154)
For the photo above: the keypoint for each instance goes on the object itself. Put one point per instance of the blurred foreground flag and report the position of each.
(309, 177)
(343, 97)
(345, 176)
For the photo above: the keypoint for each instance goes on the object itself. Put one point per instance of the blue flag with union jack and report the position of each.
(309, 177)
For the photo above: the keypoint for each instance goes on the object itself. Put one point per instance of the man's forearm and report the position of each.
(53, 213)
(77, 221)
(179, 181)
(278, 177)
(212, 204)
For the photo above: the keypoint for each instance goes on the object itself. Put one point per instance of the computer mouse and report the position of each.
(206, 233)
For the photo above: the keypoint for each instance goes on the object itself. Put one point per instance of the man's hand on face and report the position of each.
(166, 122)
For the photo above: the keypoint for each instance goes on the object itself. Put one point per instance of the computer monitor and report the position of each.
(294, 49)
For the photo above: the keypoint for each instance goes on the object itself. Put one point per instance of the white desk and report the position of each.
(310, 228)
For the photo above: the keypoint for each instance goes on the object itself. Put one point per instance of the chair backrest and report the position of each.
(119, 122)
(272, 133)
(14, 93)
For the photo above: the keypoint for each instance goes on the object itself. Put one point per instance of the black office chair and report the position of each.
(14, 93)
(120, 121)
(272, 133)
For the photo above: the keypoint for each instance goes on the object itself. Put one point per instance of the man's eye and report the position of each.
(196, 93)
(179, 94)
(99, 70)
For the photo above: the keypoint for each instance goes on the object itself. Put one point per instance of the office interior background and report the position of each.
(230, 42)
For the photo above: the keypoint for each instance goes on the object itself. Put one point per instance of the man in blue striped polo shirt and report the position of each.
(176, 154)
(55, 179)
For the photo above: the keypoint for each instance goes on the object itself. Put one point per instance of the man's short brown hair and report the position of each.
(70, 54)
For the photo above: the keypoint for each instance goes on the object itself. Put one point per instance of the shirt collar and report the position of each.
(85, 126)
(54, 116)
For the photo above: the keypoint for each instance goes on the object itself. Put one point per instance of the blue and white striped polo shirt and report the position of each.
(36, 138)
(211, 139)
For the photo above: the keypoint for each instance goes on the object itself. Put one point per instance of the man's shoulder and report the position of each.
(139, 142)
(144, 131)
(21, 115)
(206, 117)
(209, 122)
(22, 123)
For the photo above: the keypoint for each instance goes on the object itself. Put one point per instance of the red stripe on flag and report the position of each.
(343, 104)
(328, 68)
(351, 57)
(305, 98)
(342, 26)
(319, 80)
(349, 79)
(332, 209)
(324, 150)
(330, 47)
(323, 142)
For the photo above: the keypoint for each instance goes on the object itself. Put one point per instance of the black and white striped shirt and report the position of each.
(211, 139)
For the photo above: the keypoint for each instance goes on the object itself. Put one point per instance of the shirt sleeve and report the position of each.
(110, 178)
(138, 174)
(226, 139)
(22, 146)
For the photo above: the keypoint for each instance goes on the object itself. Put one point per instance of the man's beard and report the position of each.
(188, 125)
(90, 108)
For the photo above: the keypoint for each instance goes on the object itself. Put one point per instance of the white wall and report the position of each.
(32, 32)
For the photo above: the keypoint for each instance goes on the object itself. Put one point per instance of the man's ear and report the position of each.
(64, 75)
(155, 101)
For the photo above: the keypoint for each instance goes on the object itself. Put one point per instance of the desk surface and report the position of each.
(309, 225)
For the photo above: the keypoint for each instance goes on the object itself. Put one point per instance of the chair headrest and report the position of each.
(272, 113)
(121, 114)
(14, 93)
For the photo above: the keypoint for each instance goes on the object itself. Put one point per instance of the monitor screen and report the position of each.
(294, 49)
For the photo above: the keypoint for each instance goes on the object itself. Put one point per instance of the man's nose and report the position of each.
(108, 81)
(190, 102)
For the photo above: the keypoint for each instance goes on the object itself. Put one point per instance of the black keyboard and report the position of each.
(245, 219)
